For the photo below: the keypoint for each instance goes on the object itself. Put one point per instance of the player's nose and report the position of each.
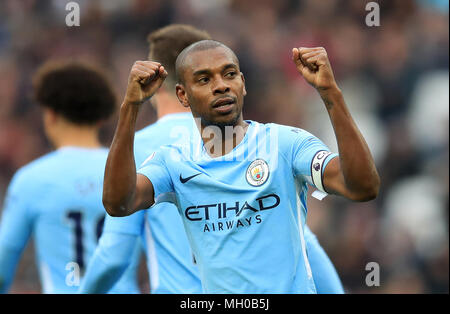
(220, 86)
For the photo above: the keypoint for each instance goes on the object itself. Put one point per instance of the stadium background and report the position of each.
(394, 77)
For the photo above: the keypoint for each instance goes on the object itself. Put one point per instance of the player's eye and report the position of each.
(203, 80)
(231, 74)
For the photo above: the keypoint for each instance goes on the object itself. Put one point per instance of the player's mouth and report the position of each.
(224, 105)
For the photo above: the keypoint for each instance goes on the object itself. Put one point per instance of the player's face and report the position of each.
(214, 87)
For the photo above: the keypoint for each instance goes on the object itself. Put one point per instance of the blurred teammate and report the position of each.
(243, 205)
(170, 260)
(57, 198)
(171, 265)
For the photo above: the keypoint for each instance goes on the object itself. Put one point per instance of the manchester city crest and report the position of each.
(257, 172)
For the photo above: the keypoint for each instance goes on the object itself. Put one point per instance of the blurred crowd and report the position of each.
(395, 80)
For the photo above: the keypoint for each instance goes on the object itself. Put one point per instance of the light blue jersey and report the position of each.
(57, 199)
(170, 261)
(244, 212)
(325, 275)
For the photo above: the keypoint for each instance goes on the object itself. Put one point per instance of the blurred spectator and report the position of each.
(394, 77)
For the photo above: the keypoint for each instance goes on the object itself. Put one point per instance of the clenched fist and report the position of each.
(144, 80)
(314, 66)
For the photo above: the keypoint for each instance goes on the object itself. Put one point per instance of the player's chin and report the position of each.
(229, 119)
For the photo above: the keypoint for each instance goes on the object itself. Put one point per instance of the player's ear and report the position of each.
(181, 95)
(243, 81)
(49, 116)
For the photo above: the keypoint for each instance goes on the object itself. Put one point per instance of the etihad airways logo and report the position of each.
(224, 214)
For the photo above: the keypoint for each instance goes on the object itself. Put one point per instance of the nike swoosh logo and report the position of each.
(184, 180)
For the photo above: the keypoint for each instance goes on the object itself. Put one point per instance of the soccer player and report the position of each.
(169, 258)
(243, 205)
(57, 198)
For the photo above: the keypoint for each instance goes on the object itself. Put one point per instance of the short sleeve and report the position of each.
(154, 168)
(310, 158)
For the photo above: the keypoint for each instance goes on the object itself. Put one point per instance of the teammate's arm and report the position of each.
(113, 255)
(9, 258)
(124, 191)
(15, 230)
(353, 174)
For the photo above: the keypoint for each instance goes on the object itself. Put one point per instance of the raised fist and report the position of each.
(144, 80)
(314, 66)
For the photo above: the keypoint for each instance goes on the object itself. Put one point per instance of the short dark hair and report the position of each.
(166, 44)
(77, 91)
(198, 46)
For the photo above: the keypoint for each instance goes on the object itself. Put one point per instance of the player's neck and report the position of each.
(219, 141)
(167, 103)
(79, 136)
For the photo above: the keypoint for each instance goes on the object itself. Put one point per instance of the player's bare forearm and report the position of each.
(125, 192)
(353, 174)
(120, 172)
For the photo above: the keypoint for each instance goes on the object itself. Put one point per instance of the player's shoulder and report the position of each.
(174, 150)
(177, 128)
(284, 134)
(62, 160)
(145, 132)
(39, 164)
(152, 136)
(161, 155)
(285, 129)
(164, 126)
(290, 131)
(34, 171)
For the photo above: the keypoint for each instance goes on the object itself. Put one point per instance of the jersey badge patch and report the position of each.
(257, 172)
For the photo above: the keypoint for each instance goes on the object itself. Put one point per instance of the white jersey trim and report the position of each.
(169, 197)
(47, 283)
(151, 258)
(301, 234)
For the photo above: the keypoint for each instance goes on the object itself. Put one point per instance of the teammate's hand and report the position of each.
(314, 66)
(144, 80)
